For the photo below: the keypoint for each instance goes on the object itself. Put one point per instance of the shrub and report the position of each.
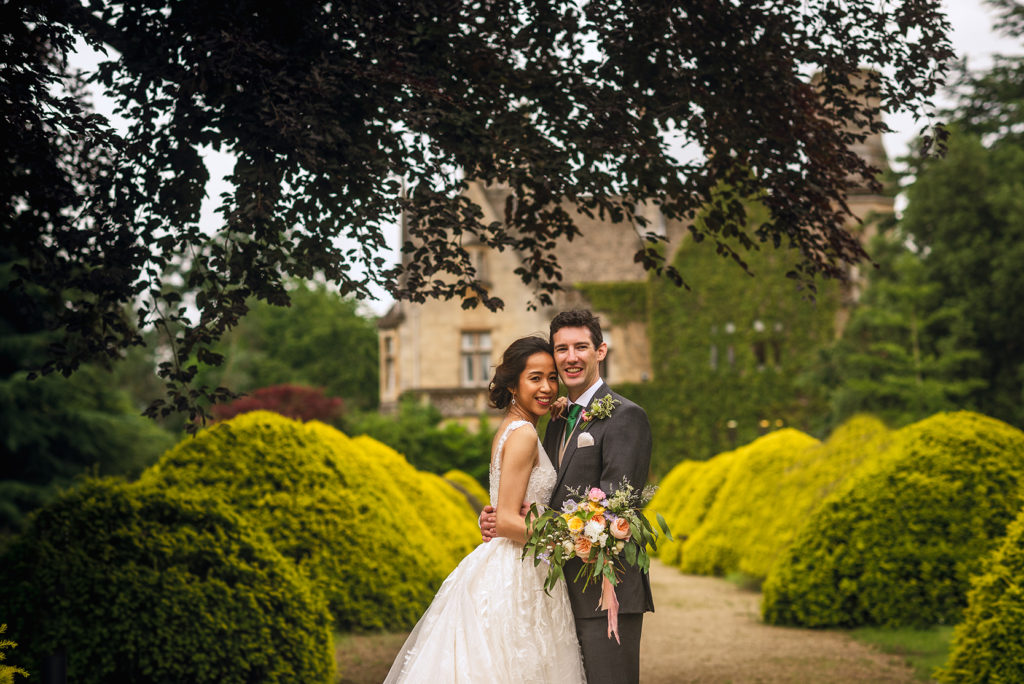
(375, 535)
(896, 544)
(55, 429)
(476, 495)
(141, 584)
(417, 434)
(988, 646)
(689, 492)
(784, 477)
(292, 401)
(734, 534)
(7, 672)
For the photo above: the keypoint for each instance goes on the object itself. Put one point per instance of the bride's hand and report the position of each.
(558, 407)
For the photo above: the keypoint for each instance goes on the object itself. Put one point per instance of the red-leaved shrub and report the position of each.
(293, 401)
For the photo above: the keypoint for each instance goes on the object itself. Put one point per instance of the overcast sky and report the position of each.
(972, 37)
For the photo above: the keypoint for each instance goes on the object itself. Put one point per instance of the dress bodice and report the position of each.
(542, 477)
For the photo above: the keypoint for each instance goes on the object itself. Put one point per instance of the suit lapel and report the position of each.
(552, 440)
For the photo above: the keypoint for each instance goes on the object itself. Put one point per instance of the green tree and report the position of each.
(966, 213)
(56, 428)
(907, 352)
(417, 434)
(320, 340)
(327, 108)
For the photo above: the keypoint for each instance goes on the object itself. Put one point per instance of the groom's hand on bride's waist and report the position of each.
(489, 520)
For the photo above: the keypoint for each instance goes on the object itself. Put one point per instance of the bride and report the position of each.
(491, 620)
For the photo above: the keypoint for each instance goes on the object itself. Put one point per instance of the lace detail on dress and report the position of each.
(542, 477)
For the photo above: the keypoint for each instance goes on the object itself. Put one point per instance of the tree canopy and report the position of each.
(340, 117)
(319, 340)
(908, 350)
(965, 214)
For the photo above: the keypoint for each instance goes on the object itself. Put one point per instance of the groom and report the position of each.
(612, 449)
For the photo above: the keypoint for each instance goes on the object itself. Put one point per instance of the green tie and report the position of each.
(574, 414)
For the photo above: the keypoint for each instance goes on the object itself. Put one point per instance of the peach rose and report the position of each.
(620, 528)
(598, 519)
(583, 548)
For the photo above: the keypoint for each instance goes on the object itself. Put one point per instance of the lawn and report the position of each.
(924, 649)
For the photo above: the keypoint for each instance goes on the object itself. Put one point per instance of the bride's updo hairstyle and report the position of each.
(513, 361)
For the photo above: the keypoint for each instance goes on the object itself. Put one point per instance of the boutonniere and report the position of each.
(599, 410)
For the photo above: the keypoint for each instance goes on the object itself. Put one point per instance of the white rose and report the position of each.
(567, 547)
(619, 546)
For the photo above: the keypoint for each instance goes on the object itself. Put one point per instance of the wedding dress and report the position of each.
(491, 620)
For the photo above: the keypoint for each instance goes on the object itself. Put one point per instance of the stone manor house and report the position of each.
(445, 355)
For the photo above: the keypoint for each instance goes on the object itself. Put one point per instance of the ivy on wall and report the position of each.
(623, 302)
(730, 357)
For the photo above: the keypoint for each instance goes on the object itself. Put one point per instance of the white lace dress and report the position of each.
(491, 620)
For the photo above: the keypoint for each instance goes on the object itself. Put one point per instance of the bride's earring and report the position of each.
(513, 399)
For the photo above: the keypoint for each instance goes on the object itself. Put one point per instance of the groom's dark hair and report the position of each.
(577, 318)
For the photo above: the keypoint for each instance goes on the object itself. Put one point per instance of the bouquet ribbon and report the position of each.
(610, 602)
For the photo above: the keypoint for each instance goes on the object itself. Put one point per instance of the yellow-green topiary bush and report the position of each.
(446, 515)
(7, 672)
(687, 495)
(475, 494)
(140, 584)
(988, 646)
(783, 478)
(736, 533)
(668, 501)
(370, 531)
(897, 543)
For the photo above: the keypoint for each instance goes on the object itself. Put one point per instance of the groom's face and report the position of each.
(577, 359)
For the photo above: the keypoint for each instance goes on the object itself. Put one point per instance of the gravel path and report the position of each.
(708, 630)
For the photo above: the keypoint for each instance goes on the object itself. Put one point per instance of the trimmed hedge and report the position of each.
(467, 485)
(897, 543)
(688, 492)
(142, 584)
(783, 478)
(988, 646)
(734, 534)
(370, 531)
(7, 672)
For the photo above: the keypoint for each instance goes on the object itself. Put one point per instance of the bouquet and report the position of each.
(601, 530)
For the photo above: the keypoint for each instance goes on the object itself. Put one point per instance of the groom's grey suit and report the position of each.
(621, 449)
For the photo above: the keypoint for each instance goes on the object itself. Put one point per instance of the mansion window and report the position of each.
(476, 358)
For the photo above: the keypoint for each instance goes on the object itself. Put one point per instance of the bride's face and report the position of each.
(538, 384)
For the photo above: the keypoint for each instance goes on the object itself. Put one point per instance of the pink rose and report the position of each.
(620, 528)
(583, 546)
(596, 494)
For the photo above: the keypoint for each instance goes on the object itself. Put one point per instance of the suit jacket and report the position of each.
(621, 449)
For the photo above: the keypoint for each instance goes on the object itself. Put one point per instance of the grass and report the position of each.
(366, 658)
(924, 649)
(744, 581)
